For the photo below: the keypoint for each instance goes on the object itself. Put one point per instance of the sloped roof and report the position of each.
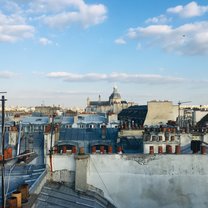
(91, 119)
(60, 195)
(35, 120)
(78, 134)
(67, 120)
(138, 112)
(203, 122)
(100, 103)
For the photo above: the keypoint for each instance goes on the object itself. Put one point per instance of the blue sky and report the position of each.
(63, 51)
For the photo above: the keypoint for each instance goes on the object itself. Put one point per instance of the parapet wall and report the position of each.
(150, 181)
(63, 168)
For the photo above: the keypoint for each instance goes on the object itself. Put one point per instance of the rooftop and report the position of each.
(60, 195)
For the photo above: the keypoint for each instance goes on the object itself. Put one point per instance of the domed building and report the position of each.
(115, 104)
(115, 97)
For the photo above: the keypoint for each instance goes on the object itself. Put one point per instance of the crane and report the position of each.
(179, 105)
(179, 102)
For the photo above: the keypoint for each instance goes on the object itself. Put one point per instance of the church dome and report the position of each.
(115, 95)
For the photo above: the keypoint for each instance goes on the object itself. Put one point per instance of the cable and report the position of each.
(103, 182)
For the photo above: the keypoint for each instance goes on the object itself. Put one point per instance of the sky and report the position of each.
(59, 52)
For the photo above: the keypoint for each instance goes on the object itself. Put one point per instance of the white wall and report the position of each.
(146, 181)
(62, 162)
(63, 168)
(48, 141)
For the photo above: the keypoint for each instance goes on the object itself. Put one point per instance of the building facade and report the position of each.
(114, 105)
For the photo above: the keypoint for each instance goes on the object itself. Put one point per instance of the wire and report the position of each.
(103, 181)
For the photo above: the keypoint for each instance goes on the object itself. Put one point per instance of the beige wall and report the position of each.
(160, 112)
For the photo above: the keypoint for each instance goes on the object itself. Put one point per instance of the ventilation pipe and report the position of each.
(93, 149)
(160, 149)
(110, 149)
(203, 150)
(102, 149)
(178, 149)
(151, 150)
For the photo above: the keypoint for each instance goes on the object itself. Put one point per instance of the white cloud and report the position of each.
(132, 33)
(13, 28)
(18, 19)
(58, 74)
(6, 74)
(54, 6)
(162, 19)
(175, 10)
(192, 9)
(187, 39)
(63, 13)
(120, 41)
(44, 41)
(115, 77)
(151, 30)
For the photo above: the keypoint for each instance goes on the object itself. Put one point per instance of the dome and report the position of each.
(115, 94)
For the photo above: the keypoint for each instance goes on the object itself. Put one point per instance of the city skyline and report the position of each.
(59, 52)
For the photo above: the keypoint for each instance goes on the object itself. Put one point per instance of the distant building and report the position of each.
(47, 110)
(133, 117)
(154, 113)
(90, 121)
(114, 105)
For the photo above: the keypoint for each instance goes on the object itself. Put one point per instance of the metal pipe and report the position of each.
(3, 144)
(19, 138)
(51, 146)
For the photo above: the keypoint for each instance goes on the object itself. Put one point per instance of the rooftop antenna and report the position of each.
(3, 159)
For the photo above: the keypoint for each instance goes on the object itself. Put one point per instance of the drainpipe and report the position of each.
(3, 156)
(19, 138)
(51, 145)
